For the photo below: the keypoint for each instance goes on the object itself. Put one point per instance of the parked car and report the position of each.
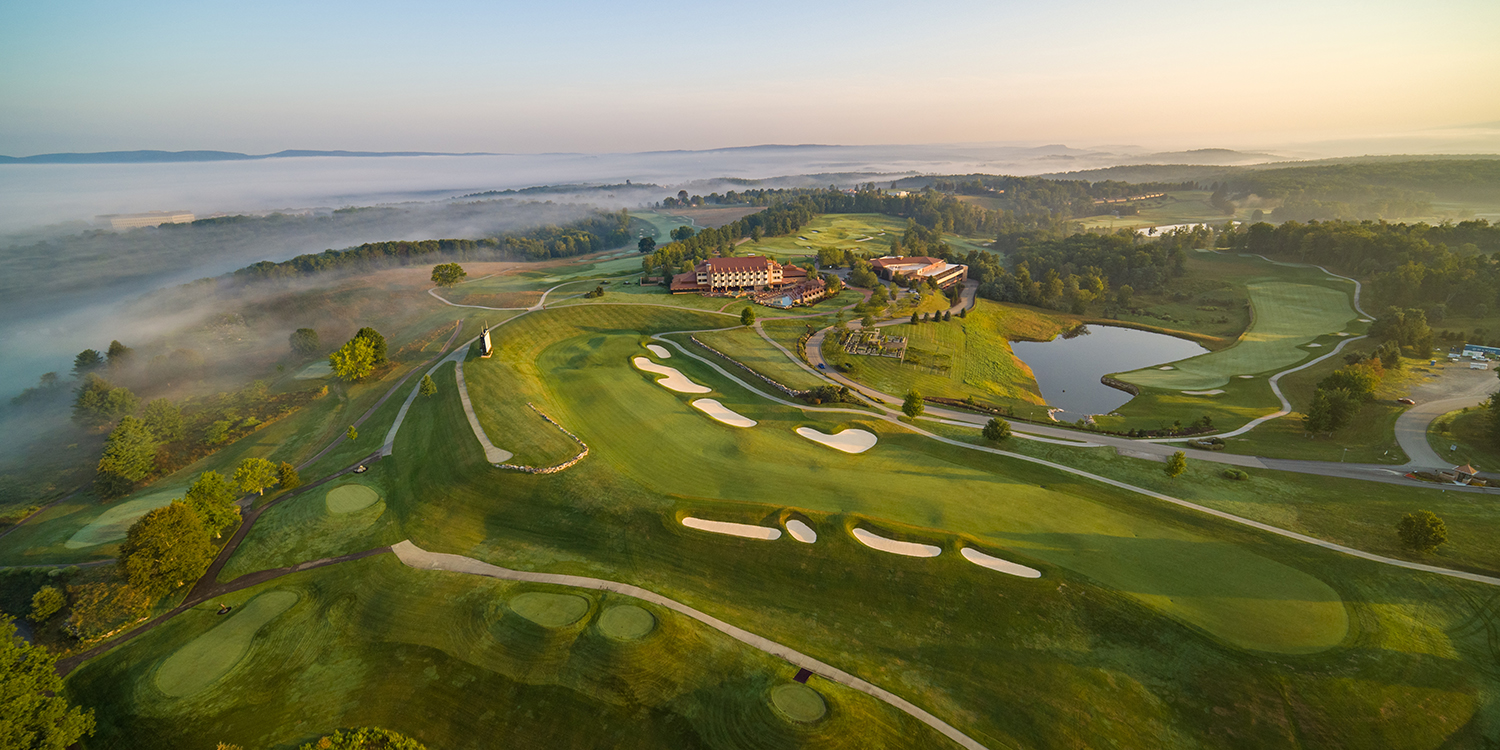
(1406, 400)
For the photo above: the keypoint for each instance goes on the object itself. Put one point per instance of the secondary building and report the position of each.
(920, 268)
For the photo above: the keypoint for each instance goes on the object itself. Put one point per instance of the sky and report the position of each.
(610, 76)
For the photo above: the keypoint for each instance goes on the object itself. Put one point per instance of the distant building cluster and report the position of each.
(148, 219)
(920, 268)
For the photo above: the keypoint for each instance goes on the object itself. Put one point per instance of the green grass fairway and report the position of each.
(112, 524)
(550, 610)
(347, 498)
(207, 658)
(798, 702)
(626, 622)
(963, 357)
(861, 233)
(1288, 316)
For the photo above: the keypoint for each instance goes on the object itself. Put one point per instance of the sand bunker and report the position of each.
(674, 380)
(659, 350)
(1213, 392)
(1314, 346)
(1246, 377)
(209, 657)
(626, 622)
(350, 497)
(995, 563)
(112, 524)
(801, 531)
(722, 413)
(1167, 367)
(745, 530)
(909, 549)
(849, 441)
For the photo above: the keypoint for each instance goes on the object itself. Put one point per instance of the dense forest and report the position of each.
(1442, 269)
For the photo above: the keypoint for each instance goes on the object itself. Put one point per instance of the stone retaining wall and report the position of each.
(792, 392)
(550, 469)
(1130, 388)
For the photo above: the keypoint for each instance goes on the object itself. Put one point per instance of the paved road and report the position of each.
(1457, 387)
(416, 557)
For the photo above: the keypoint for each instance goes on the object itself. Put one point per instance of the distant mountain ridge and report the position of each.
(147, 156)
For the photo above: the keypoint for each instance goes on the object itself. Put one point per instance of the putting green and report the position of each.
(550, 610)
(347, 498)
(209, 657)
(626, 622)
(1225, 589)
(798, 702)
(112, 524)
(1287, 316)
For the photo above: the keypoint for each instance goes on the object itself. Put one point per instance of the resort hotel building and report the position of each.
(920, 268)
(764, 280)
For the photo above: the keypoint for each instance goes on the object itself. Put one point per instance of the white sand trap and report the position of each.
(1246, 377)
(1314, 346)
(674, 380)
(995, 563)
(745, 530)
(722, 413)
(659, 350)
(1168, 367)
(1366, 320)
(849, 441)
(1342, 333)
(910, 549)
(1213, 392)
(801, 531)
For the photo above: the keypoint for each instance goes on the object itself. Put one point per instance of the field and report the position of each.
(1149, 621)
(1288, 317)
(963, 357)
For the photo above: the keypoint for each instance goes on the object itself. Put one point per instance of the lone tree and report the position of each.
(353, 361)
(352, 433)
(129, 456)
(913, 405)
(996, 430)
(36, 713)
(377, 343)
(164, 420)
(1422, 531)
(287, 476)
(255, 475)
(1175, 465)
(212, 498)
(428, 387)
(747, 317)
(914, 319)
(448, 274)
(164, 550)
(646, 245)
(304, 342)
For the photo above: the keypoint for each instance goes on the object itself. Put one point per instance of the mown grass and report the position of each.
(962, 357)
(749, 348)
(833, 231)
(1137, 631)
(1469, 430)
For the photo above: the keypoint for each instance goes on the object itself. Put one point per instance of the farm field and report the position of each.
(1125, 580)
(963, 357)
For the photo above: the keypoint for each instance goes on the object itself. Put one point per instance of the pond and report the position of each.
(1068, 369)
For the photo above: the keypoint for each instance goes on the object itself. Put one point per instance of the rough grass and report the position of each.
(1288, 316)
(969, 356)
(1468, 429)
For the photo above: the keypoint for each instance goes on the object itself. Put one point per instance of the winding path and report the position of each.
(415, 557)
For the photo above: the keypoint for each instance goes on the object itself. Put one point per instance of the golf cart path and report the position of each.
(415, 557)
(1462, 388)
(891, 418)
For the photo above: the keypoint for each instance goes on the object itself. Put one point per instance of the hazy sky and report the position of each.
(629, 76)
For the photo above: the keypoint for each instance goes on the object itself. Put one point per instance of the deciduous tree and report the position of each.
(377, 343)
(996, 430)
(448, 274)
(212, 498)
(353, 361)
(747, 317)
(46, 602)
(304, 342)
(255, 475)
(646, 245)
(34, 709)
(1422, 531)
(913, 406)
(100, 403)
(166, 549)
(118, 355)
(287, 476)
(129, 456)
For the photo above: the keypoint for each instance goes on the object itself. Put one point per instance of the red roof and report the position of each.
(793, 272)
(748, 263)
(904, 260)
(685, 282)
